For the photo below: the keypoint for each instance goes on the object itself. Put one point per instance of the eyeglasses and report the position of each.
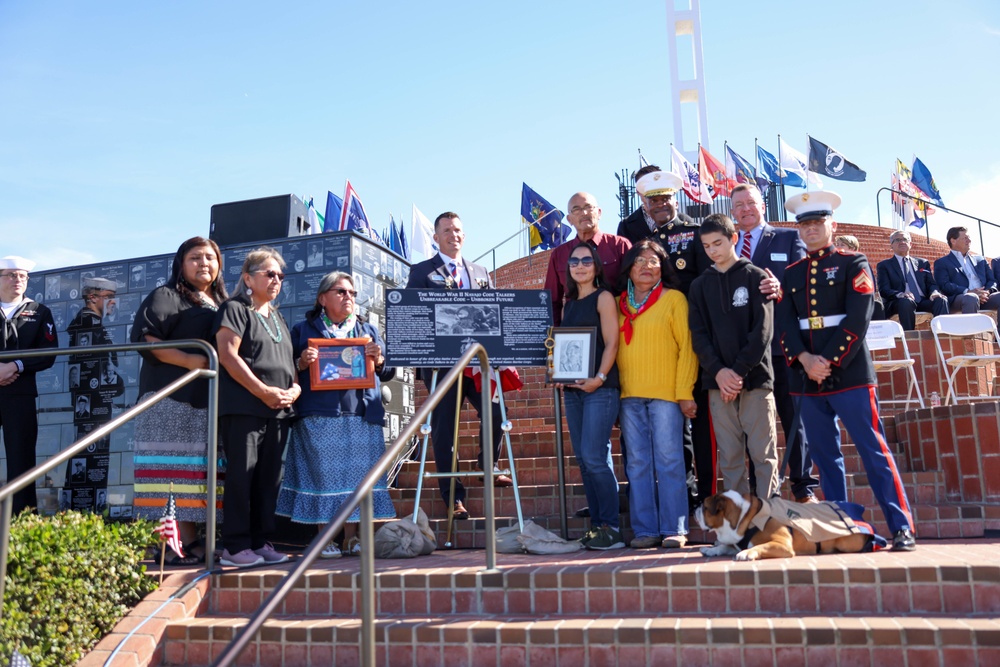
(16, 276)
(577, 261)
(271, 275)
(652, 262)
(577, 210)
(344, 292)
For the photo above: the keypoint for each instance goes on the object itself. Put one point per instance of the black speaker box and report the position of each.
(256, 220)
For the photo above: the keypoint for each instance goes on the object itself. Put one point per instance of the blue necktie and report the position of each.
(455, 274)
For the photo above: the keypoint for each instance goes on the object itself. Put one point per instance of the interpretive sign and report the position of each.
(432, 328)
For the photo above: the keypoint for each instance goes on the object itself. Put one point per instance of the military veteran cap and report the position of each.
(100, 284)
(658, 184)
(813, 205)
(15, 263)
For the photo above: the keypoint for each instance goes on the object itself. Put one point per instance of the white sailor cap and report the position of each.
(813, 205)
(16, 263)
(659, 184)
(100, 283)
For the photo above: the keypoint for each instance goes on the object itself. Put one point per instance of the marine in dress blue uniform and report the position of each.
(822, 319)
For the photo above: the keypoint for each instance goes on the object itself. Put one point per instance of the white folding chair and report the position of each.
(882, 335)
(964, 326)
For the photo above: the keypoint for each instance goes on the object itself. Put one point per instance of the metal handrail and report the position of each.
(927, 221)
(363, 496)
(211, 373)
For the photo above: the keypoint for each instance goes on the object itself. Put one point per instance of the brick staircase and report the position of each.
(939, 605)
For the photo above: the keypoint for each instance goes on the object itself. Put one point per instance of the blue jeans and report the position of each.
(590, 418)
(658, 501)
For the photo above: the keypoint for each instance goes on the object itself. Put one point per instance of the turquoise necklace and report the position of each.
(631, 295)
(276, 337)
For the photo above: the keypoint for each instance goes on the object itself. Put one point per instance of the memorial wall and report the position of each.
(82, 391)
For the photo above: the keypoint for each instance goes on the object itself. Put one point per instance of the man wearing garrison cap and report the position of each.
(821, 319)
(24, 325)
(681, 239)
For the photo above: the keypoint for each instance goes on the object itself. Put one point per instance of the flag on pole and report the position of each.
(547, 228)
(352, 215)
(738, 170)
(826, 160)
(168, 530)
(423, 234)
(404, 243)
(716, 171)
(923, 180)
(18, 660)
(334, 205)
(316, 221)
(693, 186)
(395, 243)
(795, 167)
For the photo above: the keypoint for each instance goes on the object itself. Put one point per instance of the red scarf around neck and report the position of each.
(630, 316)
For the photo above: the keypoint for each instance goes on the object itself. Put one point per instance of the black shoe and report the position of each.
(583, 512)
(903, 540)
(460, 513)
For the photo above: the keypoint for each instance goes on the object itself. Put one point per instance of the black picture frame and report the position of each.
(572, 354)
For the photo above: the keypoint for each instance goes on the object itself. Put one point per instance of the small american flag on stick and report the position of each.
(168, 530)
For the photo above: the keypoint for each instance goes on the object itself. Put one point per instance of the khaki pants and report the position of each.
(749, 415)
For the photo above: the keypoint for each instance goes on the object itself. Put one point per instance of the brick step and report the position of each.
(630, 583)
(583, 640)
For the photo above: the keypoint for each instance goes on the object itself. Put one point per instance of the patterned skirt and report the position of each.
(170, 448)
(327, 459)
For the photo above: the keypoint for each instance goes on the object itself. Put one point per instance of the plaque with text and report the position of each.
(432, 328)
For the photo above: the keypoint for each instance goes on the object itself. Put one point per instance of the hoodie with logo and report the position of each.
(732, 324)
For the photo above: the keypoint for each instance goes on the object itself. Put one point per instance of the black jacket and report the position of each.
(732, 324)
(30, 327)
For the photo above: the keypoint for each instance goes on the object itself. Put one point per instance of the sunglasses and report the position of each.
(577, 261)
(272, 274)
(344, 292)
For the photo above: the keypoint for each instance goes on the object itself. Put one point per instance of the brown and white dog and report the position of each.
(732, 517)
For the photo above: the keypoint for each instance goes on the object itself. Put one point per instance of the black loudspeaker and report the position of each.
(256, 220)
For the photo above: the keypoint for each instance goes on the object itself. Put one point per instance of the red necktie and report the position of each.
(745, 252)
(456, 275)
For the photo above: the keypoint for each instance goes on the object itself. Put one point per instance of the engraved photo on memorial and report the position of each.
(466, 320)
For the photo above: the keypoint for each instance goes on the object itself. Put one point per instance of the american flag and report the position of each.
(18, 660)
(168, 530)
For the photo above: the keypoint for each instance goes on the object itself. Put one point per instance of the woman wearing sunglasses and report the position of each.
(256, 393)
(592, 404)
(336, 434)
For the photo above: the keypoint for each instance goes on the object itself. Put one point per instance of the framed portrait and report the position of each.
(342, 364)
(572, 351)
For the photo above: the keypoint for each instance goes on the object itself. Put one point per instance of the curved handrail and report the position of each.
(362, 496)
(927, 223)
(211, 373)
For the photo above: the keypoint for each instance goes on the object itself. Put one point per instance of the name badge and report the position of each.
(435, 278)
(779, 257)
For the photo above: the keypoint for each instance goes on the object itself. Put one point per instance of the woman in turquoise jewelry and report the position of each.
(256, 392)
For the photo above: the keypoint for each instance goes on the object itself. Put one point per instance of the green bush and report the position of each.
(70, 578)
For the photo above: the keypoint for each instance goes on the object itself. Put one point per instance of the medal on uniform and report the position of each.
(680, 264)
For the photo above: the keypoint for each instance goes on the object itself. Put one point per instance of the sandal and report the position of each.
(353, 547)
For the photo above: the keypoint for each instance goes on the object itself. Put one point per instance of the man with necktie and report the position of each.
(449, 270)
(907, 285)
(966, 278)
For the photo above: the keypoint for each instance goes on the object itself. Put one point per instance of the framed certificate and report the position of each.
(341, 364)
(572, 351)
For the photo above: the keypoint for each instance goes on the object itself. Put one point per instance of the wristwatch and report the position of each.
(602, 377)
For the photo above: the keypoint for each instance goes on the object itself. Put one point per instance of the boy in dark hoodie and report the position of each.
(731, 327)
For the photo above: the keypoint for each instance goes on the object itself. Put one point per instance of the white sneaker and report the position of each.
(245, 558)
(353, 547)
(331, 551)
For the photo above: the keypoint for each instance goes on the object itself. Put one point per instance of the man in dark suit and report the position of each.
(907, 284)
(448, 270)
(773, 249)
(965, 278)
(995, 267)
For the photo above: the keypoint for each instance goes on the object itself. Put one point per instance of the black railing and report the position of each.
(927, 220)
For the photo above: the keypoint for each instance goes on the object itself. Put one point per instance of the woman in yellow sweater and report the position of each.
(657, 368)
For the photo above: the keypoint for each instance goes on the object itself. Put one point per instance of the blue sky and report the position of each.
(122, 123)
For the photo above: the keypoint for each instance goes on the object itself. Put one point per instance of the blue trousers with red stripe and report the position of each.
(858, 411)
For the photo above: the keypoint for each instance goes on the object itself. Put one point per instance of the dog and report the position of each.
(749, 529)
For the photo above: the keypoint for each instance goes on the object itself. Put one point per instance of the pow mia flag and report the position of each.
(827, 161)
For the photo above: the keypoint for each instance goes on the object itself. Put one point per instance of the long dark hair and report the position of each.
(572, 290)
(667, 274)
(186, 289)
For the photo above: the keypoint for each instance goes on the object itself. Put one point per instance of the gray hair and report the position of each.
(325, 285)
(254, 260)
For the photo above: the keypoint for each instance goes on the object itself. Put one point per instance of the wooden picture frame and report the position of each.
(572, 353)
(336, 368)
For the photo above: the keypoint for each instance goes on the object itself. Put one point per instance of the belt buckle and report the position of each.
(815, 322)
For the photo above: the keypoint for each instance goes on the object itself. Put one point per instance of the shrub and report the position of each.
(70, 578)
